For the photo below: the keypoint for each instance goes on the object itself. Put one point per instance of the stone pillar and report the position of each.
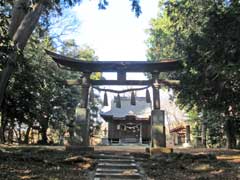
(157, 117)
(80, 139)
(158, 129)
(156, 94)
(140, 138)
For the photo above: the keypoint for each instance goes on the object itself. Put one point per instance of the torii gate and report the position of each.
(81, 134)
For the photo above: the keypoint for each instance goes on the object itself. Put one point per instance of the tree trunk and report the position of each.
(44, 135)
(5, 76)
(230, 133)
(27, 26)
(20, 133)
(1, 135)
(20, 9)
(20, 33)
(26, 138)
(43, 131)
(1, 128)
(4, 125)
(203, 133)
(11, 132)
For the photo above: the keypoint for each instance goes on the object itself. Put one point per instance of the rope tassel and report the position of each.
(133, 99)
(148, 98)
(105, 99)
(118, 101)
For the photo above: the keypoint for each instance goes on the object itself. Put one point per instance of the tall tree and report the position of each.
(25, 16)
(37, 94)
(206, 38)
(18, 21)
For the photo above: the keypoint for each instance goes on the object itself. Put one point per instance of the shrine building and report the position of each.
(130, 123)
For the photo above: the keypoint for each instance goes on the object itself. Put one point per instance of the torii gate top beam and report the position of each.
(115, 66)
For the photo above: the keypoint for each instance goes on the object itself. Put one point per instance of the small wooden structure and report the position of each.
(181, 135)
(129, 124)
(178, 135)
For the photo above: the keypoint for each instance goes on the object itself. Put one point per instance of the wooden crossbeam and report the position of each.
(170, 83)
(165, 65)
(120, 83)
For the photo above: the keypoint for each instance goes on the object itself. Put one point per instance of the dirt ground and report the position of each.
(43, 163)
(54, 163)
(200, 165)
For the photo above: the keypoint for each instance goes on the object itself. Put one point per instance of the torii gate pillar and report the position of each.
(158, 127)
(157, 117)
(80, 139)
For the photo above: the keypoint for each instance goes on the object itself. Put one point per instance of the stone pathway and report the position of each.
(118, 166)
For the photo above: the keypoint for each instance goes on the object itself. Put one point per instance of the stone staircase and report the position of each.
(130, 140)
(118, 166)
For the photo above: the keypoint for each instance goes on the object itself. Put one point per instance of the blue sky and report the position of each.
(115, 33)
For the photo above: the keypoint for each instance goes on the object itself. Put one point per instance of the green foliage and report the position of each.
(202, 37)
(35, 91)
(37, 94)
(215, 132)
(71, 49)
(205, 36)
(136, 8)
(195, 122)
(85, 53)
(6, 45)
(161, 40)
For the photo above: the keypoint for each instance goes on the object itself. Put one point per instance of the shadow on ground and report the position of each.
(54, 163)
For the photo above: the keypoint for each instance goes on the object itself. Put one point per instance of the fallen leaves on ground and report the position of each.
(190, 167)
(31, 163)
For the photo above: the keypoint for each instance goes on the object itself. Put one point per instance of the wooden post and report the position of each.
(187, 142)
(157, 117)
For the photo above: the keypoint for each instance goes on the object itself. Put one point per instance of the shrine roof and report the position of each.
(163, 65)
(141, 110)
(177, 129)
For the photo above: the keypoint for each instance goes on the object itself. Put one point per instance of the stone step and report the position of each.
(130, 140)
(118, 175)
(116, 178)
(116, 157)
(140, 159)
(117, 160)
(114, 170)
(108, 156)
(117, 165)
